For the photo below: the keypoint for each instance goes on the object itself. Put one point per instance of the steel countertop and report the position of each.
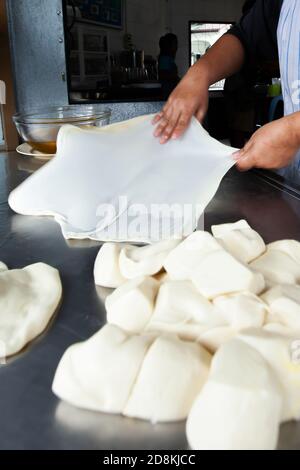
(31, 416)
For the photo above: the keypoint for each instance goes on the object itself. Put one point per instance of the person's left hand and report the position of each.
(272, 146)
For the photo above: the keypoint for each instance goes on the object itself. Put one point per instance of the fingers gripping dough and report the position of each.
(171, 377)
(28, 299)
(182, 310)
(284, 304)
(131, 305)
(107, 270)
(218, 273)
(277, 267)
(98, 374)
(240, 240)
(145, 261)
(236, 410)
(242, 310)
(277, 350)
(182, 261)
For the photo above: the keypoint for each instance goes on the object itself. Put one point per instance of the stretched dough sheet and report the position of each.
(118, 183)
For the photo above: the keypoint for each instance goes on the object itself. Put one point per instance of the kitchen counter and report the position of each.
(31, 416)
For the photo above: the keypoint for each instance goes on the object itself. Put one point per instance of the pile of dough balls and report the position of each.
(204, 328)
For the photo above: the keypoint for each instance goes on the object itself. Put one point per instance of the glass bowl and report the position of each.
(40, 126)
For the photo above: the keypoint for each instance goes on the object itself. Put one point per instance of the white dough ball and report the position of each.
(219, 273)
(240, 240)
(131, 305)
(181, 263)
(239, 407)
(28, 299)
(277, 267)
(284, 305)
(145, 261)
(278, 349)
(171, 377)
(242, 310)
(181, 309)
(98, 374)
(106, 269)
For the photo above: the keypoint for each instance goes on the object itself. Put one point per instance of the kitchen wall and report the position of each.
(181, 12)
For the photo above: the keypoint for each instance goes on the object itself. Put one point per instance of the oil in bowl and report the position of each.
(39, 127)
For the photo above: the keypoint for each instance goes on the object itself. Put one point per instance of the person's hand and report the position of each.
(190, 98)
(272, 146)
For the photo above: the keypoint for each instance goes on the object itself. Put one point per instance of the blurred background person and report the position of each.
(167, 68)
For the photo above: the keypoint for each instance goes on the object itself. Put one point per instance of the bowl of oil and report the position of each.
(39, 127)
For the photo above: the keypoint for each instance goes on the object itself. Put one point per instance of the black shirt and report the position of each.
(257, 30)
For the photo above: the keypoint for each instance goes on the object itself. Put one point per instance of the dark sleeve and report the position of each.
(257, 30)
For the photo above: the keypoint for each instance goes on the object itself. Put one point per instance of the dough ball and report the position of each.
(131, 305)
(182, 310)
(240, 240)
(239, 406)
(282, 354)
(218, 273)
(107, 270)
(181, 263)
(29, 298)
(242, 310)
(284, 305)
(3, 267)
(278, 328)
(213, 338)
(171, 377)
(98, 374)
(290, 247)
(277, 267)
(145, 261)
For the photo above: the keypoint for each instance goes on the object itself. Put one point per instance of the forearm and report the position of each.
(222, 60)
(293, 121)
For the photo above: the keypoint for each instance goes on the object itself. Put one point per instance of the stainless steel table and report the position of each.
(31, 417)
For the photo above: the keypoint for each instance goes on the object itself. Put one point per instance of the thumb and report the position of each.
(245, 159)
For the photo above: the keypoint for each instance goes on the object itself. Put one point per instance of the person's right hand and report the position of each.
(190, 98)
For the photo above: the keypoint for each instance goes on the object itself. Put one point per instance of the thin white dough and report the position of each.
(114, 183)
